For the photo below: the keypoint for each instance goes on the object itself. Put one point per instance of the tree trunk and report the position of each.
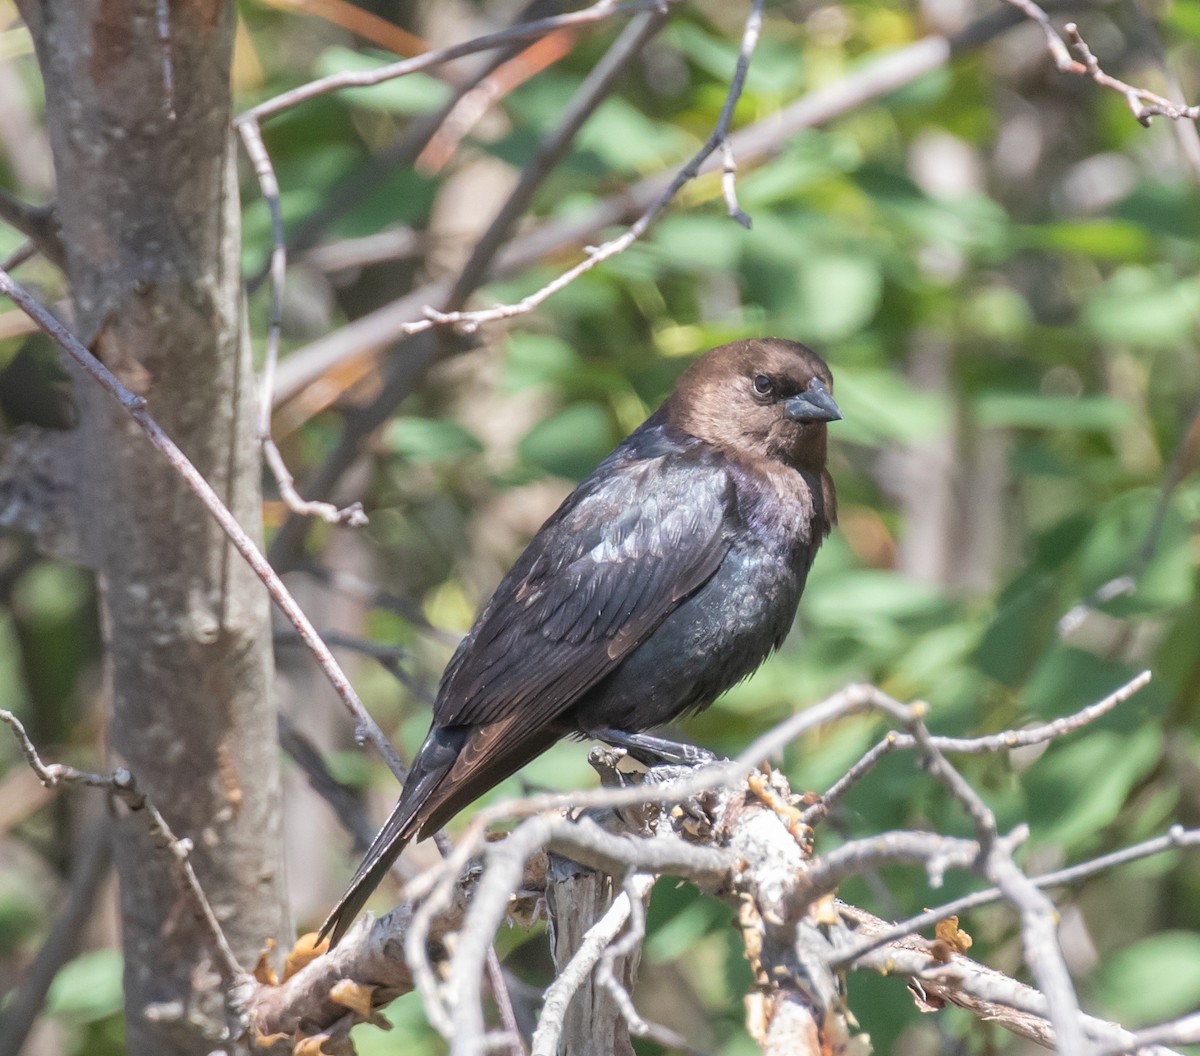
(147, 198)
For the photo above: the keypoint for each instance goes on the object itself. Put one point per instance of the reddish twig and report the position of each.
(365, 78)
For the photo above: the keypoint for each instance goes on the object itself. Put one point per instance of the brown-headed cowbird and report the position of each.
(668, 575)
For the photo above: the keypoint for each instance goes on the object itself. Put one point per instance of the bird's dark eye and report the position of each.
(763, 385)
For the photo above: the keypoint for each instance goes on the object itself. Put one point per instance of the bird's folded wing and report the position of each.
(621, 553)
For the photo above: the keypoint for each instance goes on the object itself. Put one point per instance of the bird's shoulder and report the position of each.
(646, 529)
(659, 490)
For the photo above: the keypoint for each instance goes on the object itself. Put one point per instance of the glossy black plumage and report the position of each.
(668, 575)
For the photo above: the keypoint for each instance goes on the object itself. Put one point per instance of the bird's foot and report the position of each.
(655, 751)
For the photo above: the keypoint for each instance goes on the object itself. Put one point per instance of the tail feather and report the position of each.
(433, 762)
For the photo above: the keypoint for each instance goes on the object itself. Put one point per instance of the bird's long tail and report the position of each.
(433, 761)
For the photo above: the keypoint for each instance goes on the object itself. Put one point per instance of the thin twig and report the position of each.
(352, 515)
(501, 79)
(935, 853)
(450, 997)
(39, 223)
(1176, 837)
(346, 805)
(571, 976)
(349, 585)
(596, 255)
(591, 93)
(123, 786)
(504, 1005)
(364, 78)
(595, 87)
(1039, 919)
(729, 186)
(24, 252)
(987, 994)
(377, 330)
(1142, 103)
(1182, 1031)
(1183, 459)
(365, 726)
(1005, 740)
(636, 889)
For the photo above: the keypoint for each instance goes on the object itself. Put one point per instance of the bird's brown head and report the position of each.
(763, 397)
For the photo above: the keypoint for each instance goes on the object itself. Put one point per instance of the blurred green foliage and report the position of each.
(1001, 268)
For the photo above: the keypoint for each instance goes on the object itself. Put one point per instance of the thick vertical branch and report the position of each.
(593, 1022)
(149, 216)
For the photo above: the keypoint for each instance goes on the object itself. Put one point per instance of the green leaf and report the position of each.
(572, 442)
(1143, 308)
(624, 138)
(1154, 980)
(537, 359)
(837, 295)
(1066, 808)
(1032, 410)
(1168, 209)
(776, 68)
(810, 159)
(883, 406)
(429, 439)
(1099, 239)
(692, 242)
(415, 93)
(855, 599)
(1027, 613)
(88, 988)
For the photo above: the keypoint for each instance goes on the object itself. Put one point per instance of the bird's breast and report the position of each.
(710, 641)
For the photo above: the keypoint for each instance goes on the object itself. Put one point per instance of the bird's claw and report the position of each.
(655, 751)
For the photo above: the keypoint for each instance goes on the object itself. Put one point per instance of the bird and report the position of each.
(668, 575)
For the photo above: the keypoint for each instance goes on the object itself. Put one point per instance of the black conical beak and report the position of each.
(814, 404)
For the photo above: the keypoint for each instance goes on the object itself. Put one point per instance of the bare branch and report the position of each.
(585, 949)
(1177, 837)
(123, 786)
(373, 332)
(755, 854)
(939, 977)
(37, 223)
(1143, 104)
(1183, 1031)
(994, 742)
(352, 515)
(162, 11)
(595, 88)
(135, 406)
(729, 186)
(1039, 920)
(346, 805)
(596, 255)
(597, 12)
(930, 850)
(1183, 460)
(23, 253)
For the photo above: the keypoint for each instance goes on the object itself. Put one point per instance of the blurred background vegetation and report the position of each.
(1000, 266)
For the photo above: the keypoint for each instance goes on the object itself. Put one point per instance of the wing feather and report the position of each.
(629, 544)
